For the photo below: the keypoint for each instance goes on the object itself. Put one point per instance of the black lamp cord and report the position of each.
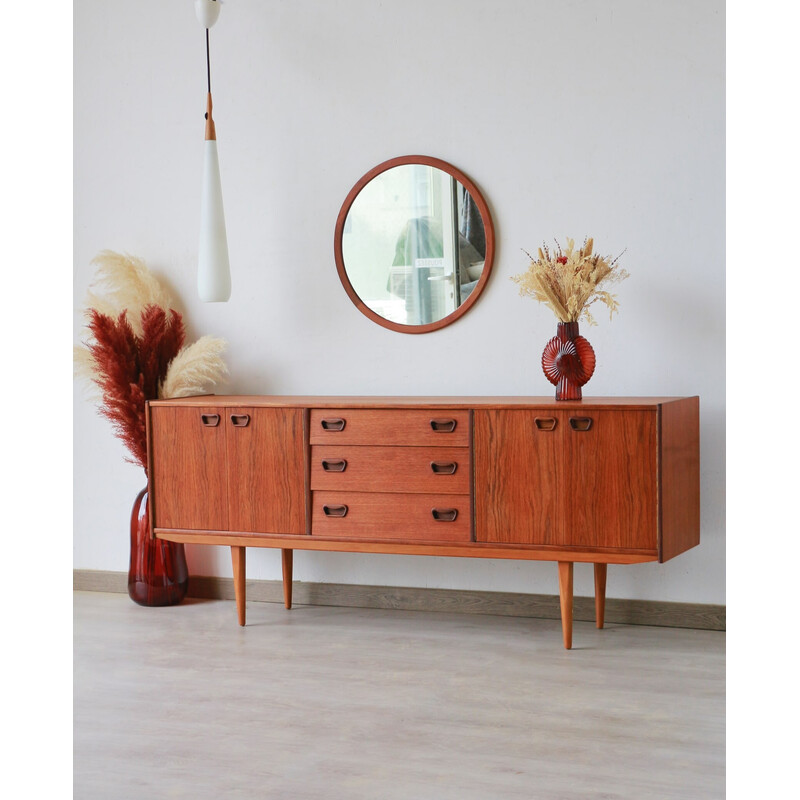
(208, 63)
(208, 67)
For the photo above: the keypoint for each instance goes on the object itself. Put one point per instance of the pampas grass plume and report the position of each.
(196, 369)
(83, 364)
(133, 348)
(124, 283)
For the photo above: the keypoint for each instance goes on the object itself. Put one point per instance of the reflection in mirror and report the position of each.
(412, 244)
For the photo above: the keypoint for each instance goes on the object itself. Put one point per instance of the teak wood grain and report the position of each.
(393, 427)
(387, 469)
(189, 468)
(680, 477)
(548, 481)
(210, 474)
(612, 470)
(606, 480)
(287, 558)
(522, 474)
(346, 544)
(388, 402)
(406, 517)
(600, 576)
(238, 563)
(565, 581)
(266, 471)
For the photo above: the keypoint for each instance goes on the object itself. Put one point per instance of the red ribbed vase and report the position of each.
(568, 361)
(158, 575)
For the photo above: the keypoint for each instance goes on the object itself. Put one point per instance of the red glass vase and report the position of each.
(568, 361)
(158, 575)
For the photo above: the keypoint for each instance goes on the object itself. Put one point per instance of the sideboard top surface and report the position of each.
(482, 402)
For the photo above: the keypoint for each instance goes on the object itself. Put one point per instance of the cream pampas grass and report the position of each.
(132, 348)
(124, 283)
(85, 369)
(195, 370)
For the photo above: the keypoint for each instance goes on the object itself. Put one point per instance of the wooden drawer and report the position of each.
(379, 515)
(396, 427)
(427, 470)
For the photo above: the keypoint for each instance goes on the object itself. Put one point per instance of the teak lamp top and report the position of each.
(211, 132)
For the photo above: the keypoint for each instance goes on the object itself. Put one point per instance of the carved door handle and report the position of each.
(444, 514)
(443, 425)
(444, 467)
(580, 423)
(334, 511)
(332, 424)
(546, 423)
(240, 420)
(210, 420)
(334, 466)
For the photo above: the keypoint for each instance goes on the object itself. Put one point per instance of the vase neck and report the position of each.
(567, 330)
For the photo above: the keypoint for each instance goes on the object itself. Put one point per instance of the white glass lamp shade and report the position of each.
(213, 268)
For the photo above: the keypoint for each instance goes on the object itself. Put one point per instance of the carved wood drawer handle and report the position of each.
(444, 514)
(210, 420)
(546, 423)
(444, 467)
(332, 424)
(334, 511)
(240, 420)
(443, 425)
(334, 466)
(580, 423)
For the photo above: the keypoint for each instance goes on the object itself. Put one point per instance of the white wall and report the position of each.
(603, 118)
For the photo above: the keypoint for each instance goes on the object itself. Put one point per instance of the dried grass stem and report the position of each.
(569, 281)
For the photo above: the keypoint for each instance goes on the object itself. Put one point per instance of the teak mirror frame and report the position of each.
(488, 231)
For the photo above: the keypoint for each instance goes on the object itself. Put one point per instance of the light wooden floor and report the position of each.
(322, 702)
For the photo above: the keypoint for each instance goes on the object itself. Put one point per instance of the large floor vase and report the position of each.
(158, 575)
(568, 361)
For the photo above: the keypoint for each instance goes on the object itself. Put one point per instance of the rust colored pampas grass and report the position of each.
(133, 348)
(569, 281)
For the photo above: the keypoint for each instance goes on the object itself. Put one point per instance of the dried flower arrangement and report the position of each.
(569, 281)
(134, 348)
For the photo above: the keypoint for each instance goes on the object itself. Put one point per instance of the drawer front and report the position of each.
(395, 427)
(379, 515)
(426, 470)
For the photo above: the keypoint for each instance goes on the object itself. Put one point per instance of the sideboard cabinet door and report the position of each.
(567, 478)
(228, 469)
(189, 473)
(266, 477)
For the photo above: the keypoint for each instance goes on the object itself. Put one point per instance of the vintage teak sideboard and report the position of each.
(602, 480)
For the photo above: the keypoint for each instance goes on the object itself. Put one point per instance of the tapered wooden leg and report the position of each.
(238, 559)
(286, 561)
(565, 593)
(600, 571)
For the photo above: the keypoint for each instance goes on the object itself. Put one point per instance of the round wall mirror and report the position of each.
(414, 244)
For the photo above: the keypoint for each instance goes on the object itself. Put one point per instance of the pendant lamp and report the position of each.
(213, 267)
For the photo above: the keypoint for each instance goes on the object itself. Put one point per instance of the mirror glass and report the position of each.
(414, 244)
